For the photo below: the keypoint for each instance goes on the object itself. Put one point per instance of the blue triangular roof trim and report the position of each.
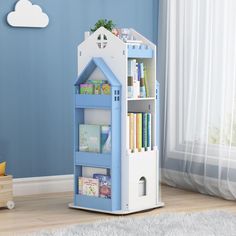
(97, 62)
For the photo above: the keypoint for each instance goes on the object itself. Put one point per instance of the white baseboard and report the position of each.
(41, 185)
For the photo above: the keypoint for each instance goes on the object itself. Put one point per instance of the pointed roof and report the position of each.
(97, 62)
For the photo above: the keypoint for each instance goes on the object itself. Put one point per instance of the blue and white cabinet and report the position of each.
(104, 56)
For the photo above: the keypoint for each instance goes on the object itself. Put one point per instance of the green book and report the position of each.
(145, 137)
(89, 138)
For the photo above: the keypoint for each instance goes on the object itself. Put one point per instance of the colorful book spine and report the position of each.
(144, 139)
(130, 87)
(131, 133)
(145, 81)
(137, 80)
(139, 134)
(127, 131)
(149, 133)
(136, 83)
(139, 131)
(134, 132)
(142, 82)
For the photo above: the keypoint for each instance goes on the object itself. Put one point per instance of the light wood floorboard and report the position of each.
(37, 212)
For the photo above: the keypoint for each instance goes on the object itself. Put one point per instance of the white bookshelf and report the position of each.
(133, 165)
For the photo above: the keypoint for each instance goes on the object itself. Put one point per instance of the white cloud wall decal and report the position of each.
(27, 15)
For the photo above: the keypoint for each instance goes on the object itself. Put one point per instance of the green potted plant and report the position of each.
(108, 24)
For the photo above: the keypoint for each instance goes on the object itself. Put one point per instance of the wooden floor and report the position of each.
(37, 212)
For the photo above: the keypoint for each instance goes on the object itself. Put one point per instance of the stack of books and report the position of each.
(98, 186)
(95, 87)
(137, 80)
(95, 138)
(139, 132)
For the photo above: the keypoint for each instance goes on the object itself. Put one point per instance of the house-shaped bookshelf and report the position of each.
(110, 161)
(134, 173)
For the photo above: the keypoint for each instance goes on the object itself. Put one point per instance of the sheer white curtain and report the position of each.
(200, 105)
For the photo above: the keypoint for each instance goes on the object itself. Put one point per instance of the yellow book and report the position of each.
(131, 133)
(139, 131)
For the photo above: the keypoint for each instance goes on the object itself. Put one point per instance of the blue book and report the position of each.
(106, 139)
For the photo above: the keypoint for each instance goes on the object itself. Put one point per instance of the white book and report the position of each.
(127, 131)
(135, 77)
(134, 137)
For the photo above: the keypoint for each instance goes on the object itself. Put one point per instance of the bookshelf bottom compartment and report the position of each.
(141, 180)
(93, 202)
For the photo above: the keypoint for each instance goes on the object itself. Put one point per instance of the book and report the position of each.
(137, 79)
(149, 133)
(89, 186)
(130, 87)
(97, 81)
(142, 82)
(139, 131)
(144, 124)
(81, 185)
(134, 132)
(106, 139)
(106, 89)
(86, 88)
(136, 82)
(89, 138)
(97, 85)
(127, 131)
(104, 185)
(131, 133)
(145, 81)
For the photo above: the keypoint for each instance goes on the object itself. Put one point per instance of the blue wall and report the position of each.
(37, 72)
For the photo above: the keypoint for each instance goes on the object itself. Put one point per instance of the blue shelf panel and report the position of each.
(91, 159)
(93, 202)
(93, 101)
(139, 51)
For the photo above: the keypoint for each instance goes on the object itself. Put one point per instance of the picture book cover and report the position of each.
(86, 88)
(89, 138)
(106, 89)
(106, 139)
(97, 85)
(104, 185)
(81, 185)
(90, 187)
